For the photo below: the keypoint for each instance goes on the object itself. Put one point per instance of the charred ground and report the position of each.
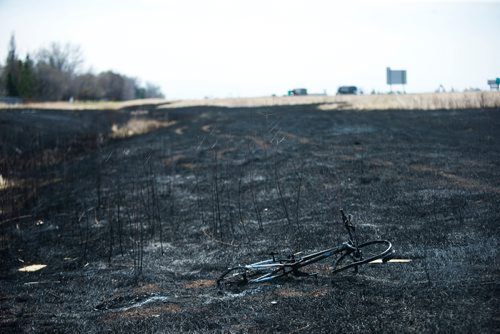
(136, 213)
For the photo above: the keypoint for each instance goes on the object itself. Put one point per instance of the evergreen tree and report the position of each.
(27, 82)
(2, 80)
(12, 70)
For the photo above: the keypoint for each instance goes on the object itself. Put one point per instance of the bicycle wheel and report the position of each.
(233, 276)
(365, 253)
(238, 276)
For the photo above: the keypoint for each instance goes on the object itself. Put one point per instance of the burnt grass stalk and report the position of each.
(134, 231)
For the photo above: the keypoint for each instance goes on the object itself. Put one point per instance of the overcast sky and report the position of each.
(233, 48)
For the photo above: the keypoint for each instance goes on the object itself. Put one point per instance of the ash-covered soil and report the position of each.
(135, 213)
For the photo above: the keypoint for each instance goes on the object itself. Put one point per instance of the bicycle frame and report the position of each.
(274, 268)
(293, 267)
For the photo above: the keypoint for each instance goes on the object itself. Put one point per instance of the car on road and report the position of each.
(346, 90)
(297, 91)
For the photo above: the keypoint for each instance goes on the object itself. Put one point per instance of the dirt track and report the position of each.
(135, 230)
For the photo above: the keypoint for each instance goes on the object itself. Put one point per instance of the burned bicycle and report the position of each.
(349, 254)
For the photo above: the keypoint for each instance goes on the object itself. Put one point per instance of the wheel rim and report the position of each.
(368, 251)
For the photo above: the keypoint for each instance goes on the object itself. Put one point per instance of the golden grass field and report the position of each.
(83, 105)
(423, 101)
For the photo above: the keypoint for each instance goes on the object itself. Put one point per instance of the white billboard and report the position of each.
(396, 77)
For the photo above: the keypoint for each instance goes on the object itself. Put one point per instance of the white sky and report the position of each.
(232, 48)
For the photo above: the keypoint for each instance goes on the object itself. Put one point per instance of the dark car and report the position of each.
(297, 91)
(343, 90)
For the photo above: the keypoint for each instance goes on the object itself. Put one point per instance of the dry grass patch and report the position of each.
(147, 289)
(458, 180)
(249, 102)
(345, 157)
(470, 183)
(136, 127)
(289, 293)
(4, 183)
(173, 159)
(262, 144)
(84, 105)
(222, 152)
(320, 292)
(143, 313)
(424, 101)
(302, 140)
(429, 101)
(188, 165)
(200, 284)
(381, 163)
(180, 131)
(206, 128)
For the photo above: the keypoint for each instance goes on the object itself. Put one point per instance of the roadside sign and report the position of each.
(395, 77)
(494, 84)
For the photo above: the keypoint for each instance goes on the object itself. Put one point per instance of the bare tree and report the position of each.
(115, 86)
(153, 91)
(66, 58)
(56, 68)
(54, 84)
(86, 88)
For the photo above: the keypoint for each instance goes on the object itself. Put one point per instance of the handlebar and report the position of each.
(347, 220)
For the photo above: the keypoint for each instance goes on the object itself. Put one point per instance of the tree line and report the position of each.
(53, 74)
